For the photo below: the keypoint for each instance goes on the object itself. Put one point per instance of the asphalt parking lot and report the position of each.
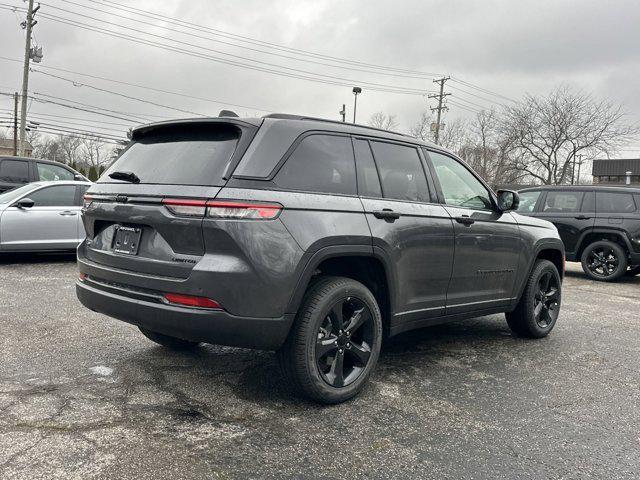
(83, 396)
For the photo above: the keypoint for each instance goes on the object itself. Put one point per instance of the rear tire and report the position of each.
(334, 344)
(604, 261)
(172, 343)
(539, 306)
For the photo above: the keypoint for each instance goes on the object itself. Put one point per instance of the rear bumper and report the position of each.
(210, 326)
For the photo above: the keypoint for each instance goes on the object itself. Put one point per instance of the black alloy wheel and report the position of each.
(344, 342)
(334, 343)
(604, 261)
(546, 303)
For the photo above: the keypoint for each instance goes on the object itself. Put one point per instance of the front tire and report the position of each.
(335, 341)
(604, 261)
(171, 343)
(538, 309)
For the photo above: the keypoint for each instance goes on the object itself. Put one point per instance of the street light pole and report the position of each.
(356, 91)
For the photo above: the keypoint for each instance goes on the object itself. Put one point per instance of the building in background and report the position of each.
(617, 172)
(6, 148)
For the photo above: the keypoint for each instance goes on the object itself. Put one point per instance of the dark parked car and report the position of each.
(310, 237)
(600, 226)
(18, 171)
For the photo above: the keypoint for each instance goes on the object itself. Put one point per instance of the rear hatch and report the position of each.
(148, 217)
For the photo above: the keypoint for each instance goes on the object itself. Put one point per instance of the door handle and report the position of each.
(67, 213)
(465, 220)
(386, 214)
(582, 217)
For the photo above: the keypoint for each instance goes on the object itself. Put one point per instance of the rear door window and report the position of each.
(320, 163)
(610, 202)
(401, 172)
(56, 196)
(179, 156)
(48, 172)
(14, 171)
(563, 202)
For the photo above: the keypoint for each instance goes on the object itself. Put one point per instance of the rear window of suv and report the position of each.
(194, 156)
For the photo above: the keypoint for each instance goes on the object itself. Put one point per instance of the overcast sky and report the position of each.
(508, 47)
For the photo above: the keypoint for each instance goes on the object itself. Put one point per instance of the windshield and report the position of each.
(194, 156)
(16, 193)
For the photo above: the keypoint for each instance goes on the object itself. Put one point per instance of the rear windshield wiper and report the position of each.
(126, 176)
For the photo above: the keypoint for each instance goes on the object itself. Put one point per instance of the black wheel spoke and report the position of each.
(358, 318)
(544, 282)
(538, 309)
(361, 352)
(325, 345)
(337, 317)
(336, 374)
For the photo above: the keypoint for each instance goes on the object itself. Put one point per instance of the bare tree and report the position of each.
(383, 121)
(422, 128)
(548, 132)
(94, 154)
(454, 134)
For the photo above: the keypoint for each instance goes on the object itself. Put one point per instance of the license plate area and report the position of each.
(126, 240)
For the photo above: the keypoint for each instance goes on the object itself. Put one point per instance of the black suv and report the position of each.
(310, 237)
(18, 171)
(600, 226)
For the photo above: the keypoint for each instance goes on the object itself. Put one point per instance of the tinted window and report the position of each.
(528, 201)
(16, 193)
(608, 202)
(562, 202)
(589, 202)
(197, 156)
(58, 196)
(368, 181)
(48, 172)
(401, 172)
(459, 186)
(14, 171)
(320, 163)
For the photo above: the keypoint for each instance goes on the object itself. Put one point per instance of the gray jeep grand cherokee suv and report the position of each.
(310, 237)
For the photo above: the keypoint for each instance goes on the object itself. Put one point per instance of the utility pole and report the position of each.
(343, 112)
(28, 25)
(440, 96)
(15, 124)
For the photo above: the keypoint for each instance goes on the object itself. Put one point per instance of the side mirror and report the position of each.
(78, 177)
(25, 203)
(508, 200)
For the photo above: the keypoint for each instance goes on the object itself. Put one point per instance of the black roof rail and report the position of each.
(288, 116)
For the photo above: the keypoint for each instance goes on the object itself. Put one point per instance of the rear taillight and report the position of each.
(191, 301)
(186, 207)
(86, 201)
(230, 209)
(243, 210)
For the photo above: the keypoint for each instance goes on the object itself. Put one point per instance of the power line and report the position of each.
(295, 73)
(191, 34)
(474, 86)
(66, 117)
(78, 84)
(253, 41)
(151, 89)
